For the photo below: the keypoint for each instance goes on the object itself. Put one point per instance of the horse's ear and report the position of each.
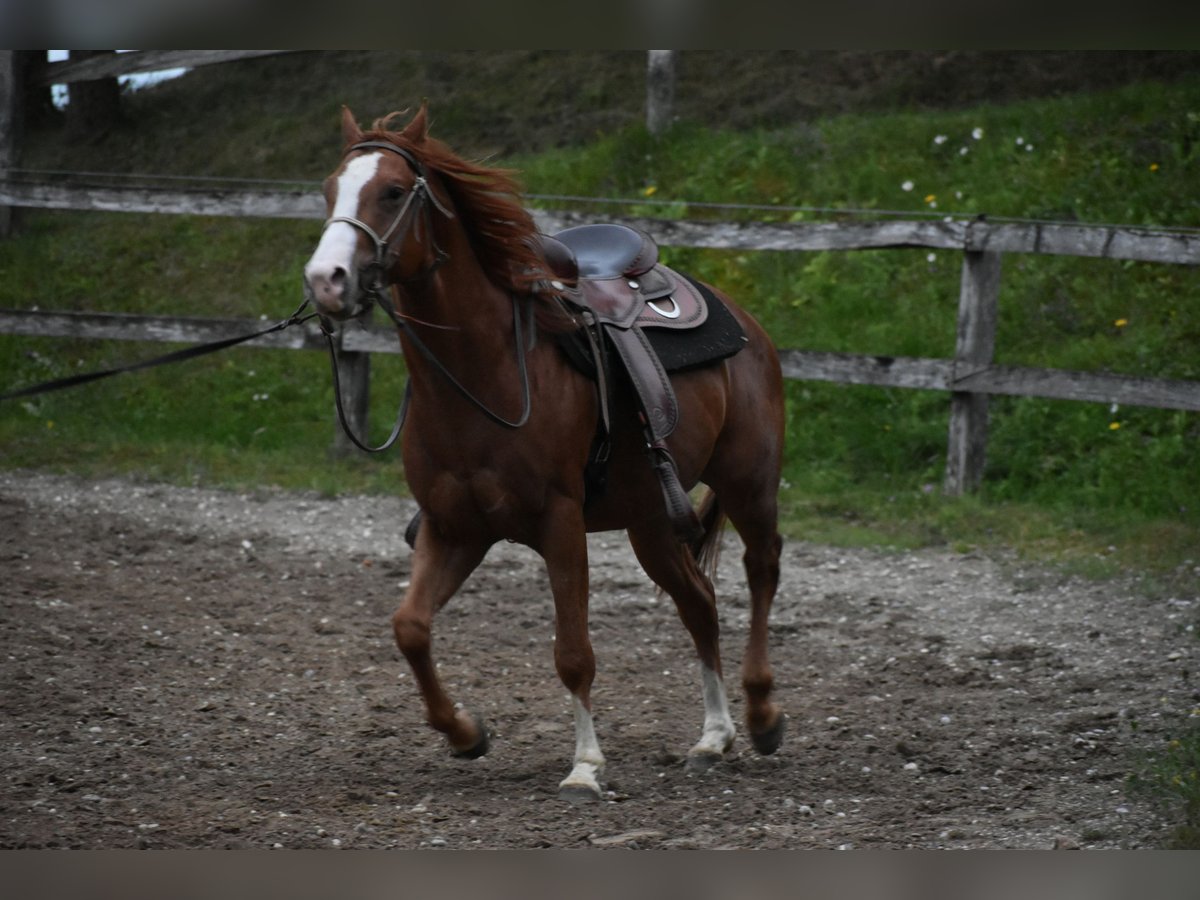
(351, 133)
(418, 128)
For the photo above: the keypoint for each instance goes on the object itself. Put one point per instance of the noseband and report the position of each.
(421, 194)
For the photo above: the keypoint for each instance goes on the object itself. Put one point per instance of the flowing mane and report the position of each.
(488, 205)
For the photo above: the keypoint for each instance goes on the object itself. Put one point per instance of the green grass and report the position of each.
(241, 418)
(864, 465)
(1170, 776)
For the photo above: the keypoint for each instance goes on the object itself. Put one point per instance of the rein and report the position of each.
(177, 356)
(431, 357)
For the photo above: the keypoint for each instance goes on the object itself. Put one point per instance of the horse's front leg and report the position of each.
(564, 547)
(438, 570)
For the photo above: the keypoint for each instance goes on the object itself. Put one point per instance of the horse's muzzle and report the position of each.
(334, 292)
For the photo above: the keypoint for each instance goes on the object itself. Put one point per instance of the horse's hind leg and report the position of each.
(763, 718)
(754, 515)
(438, 570)
(673, 568)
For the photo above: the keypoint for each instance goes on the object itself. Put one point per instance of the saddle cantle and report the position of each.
(611, 274)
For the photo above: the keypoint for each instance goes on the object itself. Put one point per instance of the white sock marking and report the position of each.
(589, 761)
(718, 732)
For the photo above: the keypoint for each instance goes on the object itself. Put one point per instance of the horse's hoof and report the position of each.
(767, 742)
(410, 533)
(576, 793)
(699, 762)
(479, 748)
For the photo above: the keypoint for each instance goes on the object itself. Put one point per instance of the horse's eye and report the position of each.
(393, 192)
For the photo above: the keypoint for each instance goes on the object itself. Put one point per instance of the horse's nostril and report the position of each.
(338, 277)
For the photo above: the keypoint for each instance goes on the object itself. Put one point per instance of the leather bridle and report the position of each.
(374, 286)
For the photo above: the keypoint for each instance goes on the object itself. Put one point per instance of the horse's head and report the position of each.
(379, 229)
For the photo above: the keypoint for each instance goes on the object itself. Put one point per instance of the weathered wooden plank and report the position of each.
(774, 235)
(660, 90)
(1105, 242)
(1017, 381)
(187, 330)
(10, 124)
(881, 371)
(354, 380)
(298, 204)
(69, 71)
(379, 339)
(166, 329)
(966, 443)
(1093, 387)
(845, 368)
(1112, 243)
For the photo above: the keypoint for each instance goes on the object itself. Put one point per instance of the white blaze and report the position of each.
(336, 247)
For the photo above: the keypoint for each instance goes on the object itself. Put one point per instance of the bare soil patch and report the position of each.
(195, 668)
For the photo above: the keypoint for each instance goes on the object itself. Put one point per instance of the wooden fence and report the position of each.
(971, 376)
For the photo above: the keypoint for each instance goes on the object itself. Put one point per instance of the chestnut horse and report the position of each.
(500, 425)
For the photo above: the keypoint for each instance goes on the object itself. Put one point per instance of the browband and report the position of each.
(387, 145)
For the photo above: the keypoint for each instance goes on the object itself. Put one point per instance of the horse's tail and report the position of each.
(707, 549)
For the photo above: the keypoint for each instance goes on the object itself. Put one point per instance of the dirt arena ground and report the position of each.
(189, 668)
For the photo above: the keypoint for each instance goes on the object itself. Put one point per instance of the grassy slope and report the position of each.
(863, 462)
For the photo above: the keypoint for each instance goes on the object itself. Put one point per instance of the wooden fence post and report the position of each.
(93, 106)
(974, 349)
(10, 124)
(354, 374)
(660, 90)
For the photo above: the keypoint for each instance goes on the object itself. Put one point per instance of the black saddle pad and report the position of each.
(720, 336)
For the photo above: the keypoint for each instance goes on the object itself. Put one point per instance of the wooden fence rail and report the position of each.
(801, 365)
(1105, 242)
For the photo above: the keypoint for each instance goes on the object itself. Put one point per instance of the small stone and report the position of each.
(1062, 842)
(628, 837)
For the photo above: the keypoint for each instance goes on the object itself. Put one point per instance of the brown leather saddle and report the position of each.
(610, 274)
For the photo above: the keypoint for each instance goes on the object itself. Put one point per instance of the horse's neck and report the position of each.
(466, 322)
